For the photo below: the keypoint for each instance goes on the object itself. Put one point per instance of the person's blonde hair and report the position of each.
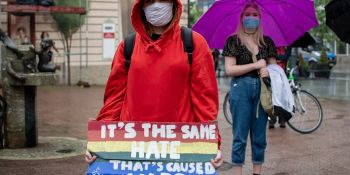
(258, 35)
(148, 26)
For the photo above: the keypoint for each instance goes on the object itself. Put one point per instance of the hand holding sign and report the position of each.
(89, 158)
(217, 162)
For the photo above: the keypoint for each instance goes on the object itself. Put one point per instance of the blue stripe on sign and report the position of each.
(119, 167)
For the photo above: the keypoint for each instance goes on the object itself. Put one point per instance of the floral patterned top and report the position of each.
(234, 48)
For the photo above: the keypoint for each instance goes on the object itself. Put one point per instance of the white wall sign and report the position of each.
(108, 40)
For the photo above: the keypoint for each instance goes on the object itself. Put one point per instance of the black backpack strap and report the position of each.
(129, 42)
(186, 35)
(187, 39)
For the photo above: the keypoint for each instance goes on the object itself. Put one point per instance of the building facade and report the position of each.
(106, 24)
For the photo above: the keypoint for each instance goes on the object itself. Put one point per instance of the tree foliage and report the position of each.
(322, 32)
(67, 25)
(195, 13)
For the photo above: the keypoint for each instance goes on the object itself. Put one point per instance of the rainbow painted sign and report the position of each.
(140, 148)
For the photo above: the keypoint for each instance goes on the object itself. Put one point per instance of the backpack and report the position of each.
(187, 39)
(265, 95)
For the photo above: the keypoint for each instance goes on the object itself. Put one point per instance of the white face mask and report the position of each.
(159, 13)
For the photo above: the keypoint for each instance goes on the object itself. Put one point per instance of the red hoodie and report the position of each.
(160, 84)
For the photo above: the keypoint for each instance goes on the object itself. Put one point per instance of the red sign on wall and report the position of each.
(108, 35)
(36, 8)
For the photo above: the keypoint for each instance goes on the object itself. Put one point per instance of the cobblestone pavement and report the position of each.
(64, 112)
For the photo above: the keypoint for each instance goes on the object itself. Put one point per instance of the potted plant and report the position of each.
(303, 66)
(322, 67)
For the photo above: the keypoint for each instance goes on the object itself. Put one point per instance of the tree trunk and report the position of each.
(68, 61)
(63, 40)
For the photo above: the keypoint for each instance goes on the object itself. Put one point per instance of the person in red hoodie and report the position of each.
(161, 85)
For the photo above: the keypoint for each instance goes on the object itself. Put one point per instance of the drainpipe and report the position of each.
(0, 14)
(188, 13)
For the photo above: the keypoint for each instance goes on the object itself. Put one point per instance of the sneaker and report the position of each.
(271, 126)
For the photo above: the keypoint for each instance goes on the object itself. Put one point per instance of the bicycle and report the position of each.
(307, 118)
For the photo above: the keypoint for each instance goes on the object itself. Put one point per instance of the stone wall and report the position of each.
(94, 74)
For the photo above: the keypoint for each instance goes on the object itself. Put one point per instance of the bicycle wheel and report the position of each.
(308, 113)
(226, 108)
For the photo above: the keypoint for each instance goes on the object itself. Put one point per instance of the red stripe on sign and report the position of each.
(118, 136)
(96, 125)
(108, 35)
(191, 131)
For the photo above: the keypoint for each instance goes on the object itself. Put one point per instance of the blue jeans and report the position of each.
(244, 102)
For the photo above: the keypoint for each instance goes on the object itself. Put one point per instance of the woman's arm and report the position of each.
(232, 69)
(204, 90)
(272, 52)
(115, 89)
(203, 85)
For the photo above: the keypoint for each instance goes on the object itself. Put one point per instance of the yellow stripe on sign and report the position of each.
(124, 146)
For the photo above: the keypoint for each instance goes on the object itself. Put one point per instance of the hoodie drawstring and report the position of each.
(153, 45)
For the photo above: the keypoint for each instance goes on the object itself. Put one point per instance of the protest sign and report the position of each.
(147, 148)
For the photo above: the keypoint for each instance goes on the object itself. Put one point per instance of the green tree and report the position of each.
(322, 32)
(195, 13)
(67, 25)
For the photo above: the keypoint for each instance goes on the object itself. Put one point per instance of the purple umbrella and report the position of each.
(283, 20)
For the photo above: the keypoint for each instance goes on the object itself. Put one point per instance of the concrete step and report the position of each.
(341, 70)
(343, 59)
(340, 75)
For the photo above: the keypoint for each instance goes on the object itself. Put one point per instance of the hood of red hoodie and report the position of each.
(161, 86)
(166, 37)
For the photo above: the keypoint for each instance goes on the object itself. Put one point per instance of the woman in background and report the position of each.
(248, 116)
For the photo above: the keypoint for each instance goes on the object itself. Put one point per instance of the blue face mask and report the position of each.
(251, 22)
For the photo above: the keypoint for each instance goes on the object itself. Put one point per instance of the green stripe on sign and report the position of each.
(183, 157)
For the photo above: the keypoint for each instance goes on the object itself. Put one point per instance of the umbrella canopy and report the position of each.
(283, 20)
(304, 41)
(338, 17)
